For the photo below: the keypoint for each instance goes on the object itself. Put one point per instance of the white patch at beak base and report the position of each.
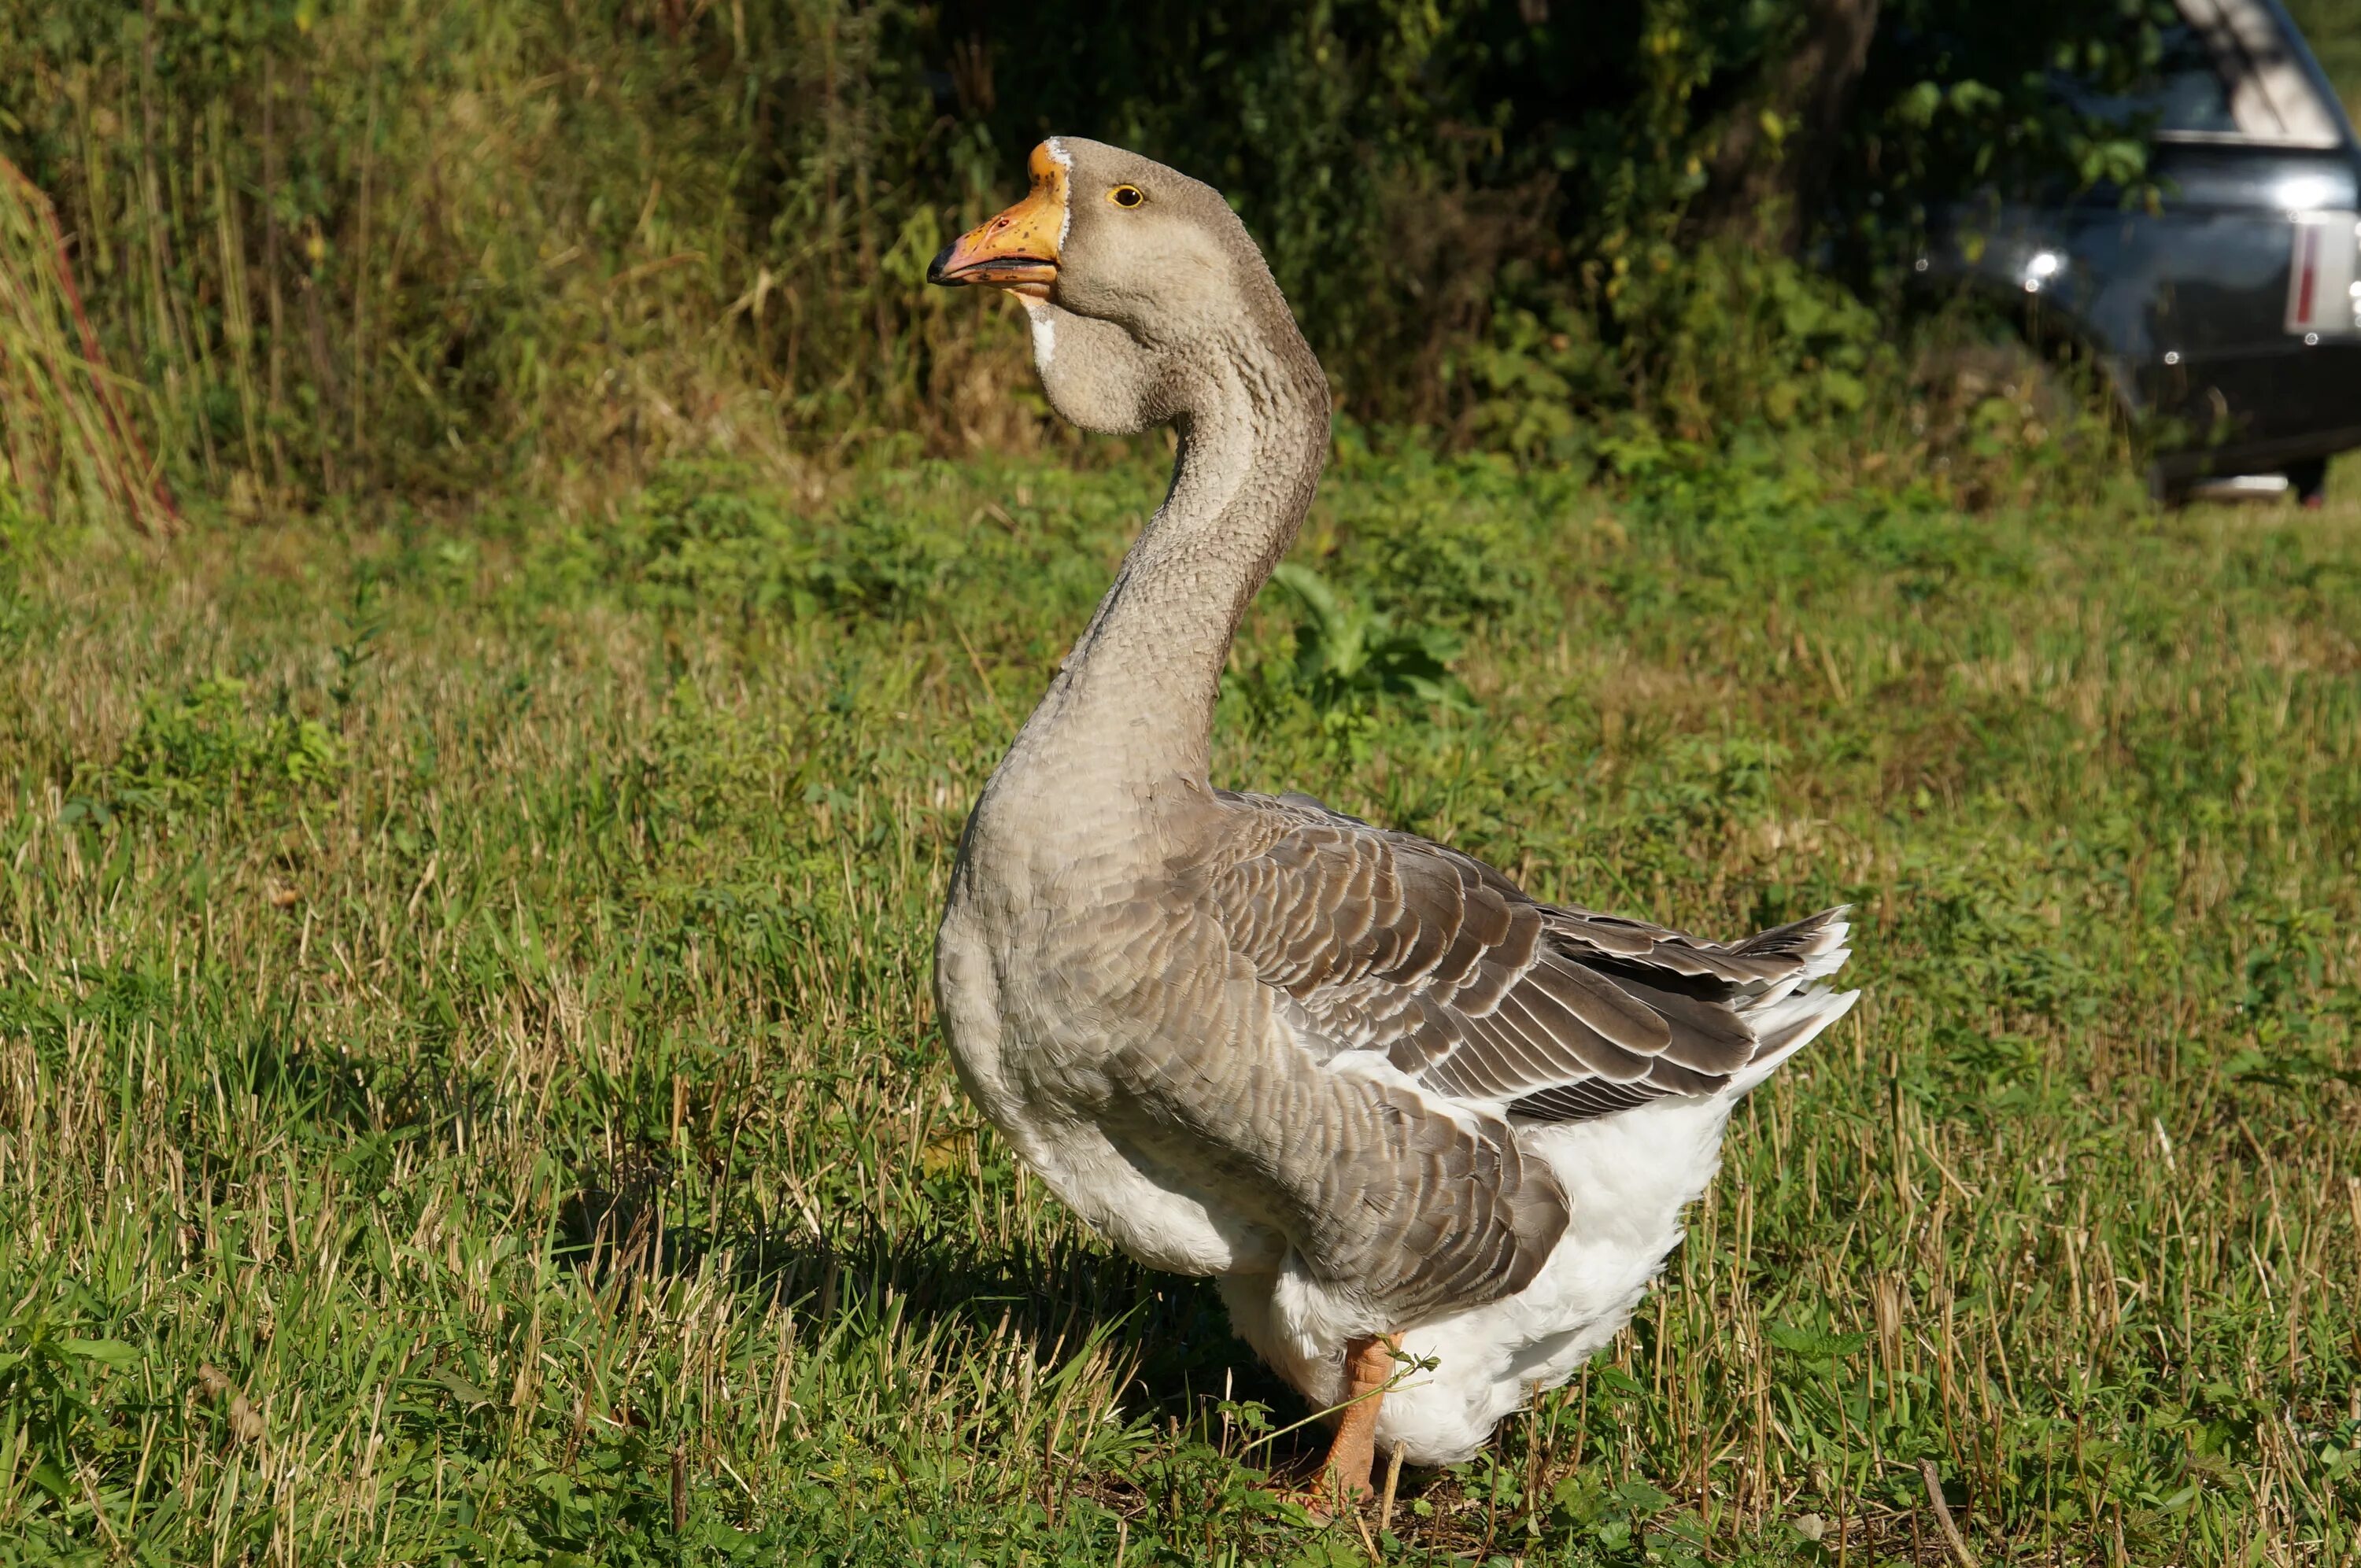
(1057, 146)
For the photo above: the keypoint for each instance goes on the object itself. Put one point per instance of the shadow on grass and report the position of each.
(1050, 1300)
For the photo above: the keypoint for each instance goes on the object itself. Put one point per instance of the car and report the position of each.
(2224, 314)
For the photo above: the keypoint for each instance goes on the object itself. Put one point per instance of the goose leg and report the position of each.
(1368, 1367)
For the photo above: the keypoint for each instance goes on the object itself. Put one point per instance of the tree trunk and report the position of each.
(1763, 187)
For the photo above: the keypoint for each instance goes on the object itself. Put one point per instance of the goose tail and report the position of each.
(1789, 1014)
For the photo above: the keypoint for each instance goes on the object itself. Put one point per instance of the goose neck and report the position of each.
(1133, 703)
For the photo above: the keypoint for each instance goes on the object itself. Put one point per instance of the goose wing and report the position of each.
(1385, 941)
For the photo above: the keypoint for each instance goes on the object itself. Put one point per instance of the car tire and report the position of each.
(2308, 480)
(2170, 494)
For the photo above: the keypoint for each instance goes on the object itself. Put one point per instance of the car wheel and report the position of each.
(2309, 482)
(2168, 493)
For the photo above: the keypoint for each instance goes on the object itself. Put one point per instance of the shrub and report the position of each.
(504, 237)
(1350, 666)
(205, 747)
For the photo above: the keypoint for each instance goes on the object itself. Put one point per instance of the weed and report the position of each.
(205, 746)
(1349, 666)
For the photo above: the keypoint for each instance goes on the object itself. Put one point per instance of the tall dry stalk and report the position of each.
(65, 432)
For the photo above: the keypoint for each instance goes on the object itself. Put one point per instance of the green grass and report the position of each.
(469, 1092)
(2333, 33)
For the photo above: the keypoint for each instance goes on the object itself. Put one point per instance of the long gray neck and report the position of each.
(1134, 705)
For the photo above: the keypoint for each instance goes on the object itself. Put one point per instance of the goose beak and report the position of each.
(1018, 249)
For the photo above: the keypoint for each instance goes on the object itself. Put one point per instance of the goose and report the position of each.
(1432, 1135)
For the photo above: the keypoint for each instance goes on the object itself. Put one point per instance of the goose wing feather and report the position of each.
(1384, 942)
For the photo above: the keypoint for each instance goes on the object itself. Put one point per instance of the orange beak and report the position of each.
(1018, 249)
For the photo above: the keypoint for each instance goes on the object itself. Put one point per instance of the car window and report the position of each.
(2183, 93)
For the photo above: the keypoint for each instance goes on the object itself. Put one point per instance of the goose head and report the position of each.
(1142, 285)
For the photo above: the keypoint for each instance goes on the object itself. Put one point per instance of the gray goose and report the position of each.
(1432, 1135)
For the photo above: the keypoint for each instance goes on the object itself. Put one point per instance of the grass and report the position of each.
(67, 439)
(2334, 35)
(469, 1093)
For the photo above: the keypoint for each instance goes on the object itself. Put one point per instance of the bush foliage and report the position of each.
(421, 243)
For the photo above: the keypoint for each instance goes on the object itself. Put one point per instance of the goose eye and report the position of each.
(1127, 196)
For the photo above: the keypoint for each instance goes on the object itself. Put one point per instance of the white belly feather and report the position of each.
(1628, 1175)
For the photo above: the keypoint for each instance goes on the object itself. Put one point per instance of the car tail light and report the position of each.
(2324, 275)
